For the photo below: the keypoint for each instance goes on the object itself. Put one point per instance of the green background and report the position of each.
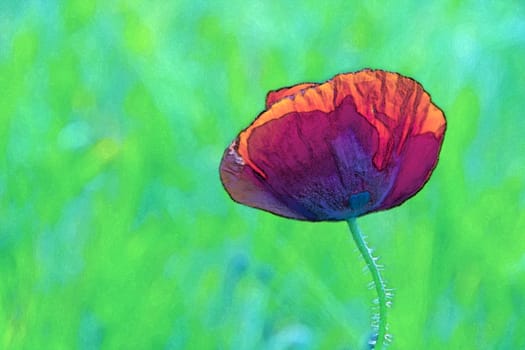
(115, 231)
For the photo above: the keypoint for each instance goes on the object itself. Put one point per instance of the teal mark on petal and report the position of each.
(359, 200)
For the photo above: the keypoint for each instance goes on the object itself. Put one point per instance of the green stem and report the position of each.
(382, 294)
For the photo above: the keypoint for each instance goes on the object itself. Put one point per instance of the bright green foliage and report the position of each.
(115, 232)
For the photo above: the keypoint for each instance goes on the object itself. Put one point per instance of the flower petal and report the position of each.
(360, 142)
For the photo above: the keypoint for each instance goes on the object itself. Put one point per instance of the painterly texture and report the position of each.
(360, 142)
(116, 233)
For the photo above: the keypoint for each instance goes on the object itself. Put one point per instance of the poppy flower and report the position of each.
(359, 143)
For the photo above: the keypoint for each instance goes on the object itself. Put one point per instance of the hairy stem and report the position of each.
(380, 328)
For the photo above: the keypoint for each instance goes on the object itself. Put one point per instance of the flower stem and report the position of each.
(380, 335)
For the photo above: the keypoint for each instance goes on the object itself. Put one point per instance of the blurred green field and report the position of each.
(115, 232)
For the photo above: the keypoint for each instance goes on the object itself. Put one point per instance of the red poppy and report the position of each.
(358, 143)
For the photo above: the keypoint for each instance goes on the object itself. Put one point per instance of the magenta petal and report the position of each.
(359, 143)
